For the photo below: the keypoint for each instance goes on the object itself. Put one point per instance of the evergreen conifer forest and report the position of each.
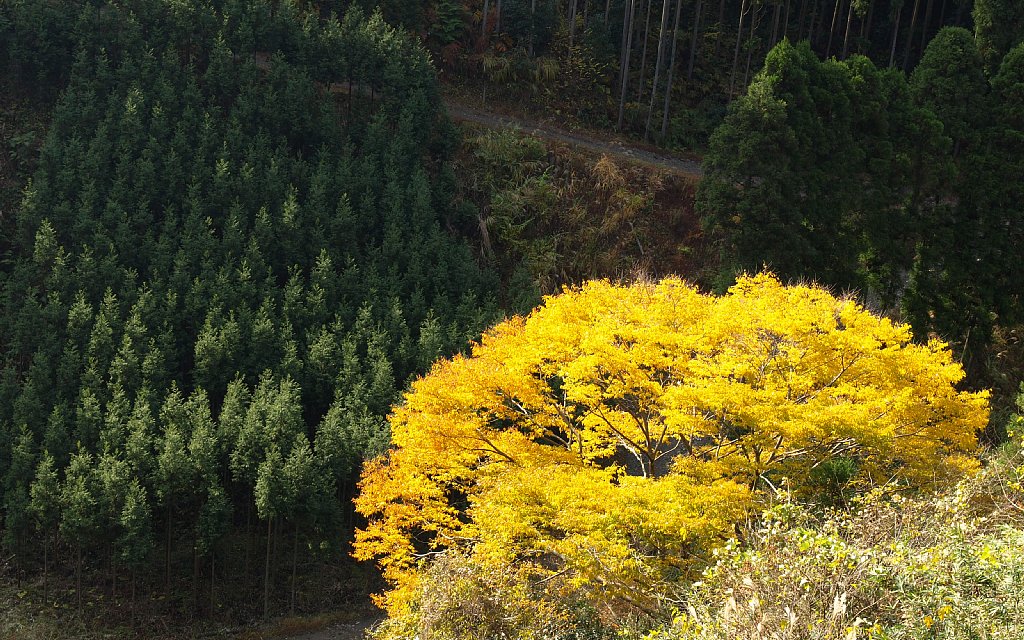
(281, 341)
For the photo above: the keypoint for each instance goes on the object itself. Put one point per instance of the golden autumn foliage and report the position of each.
(613, 437)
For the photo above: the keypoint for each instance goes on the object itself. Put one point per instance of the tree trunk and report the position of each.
(78, 576)
(754, 24)
(721, 24)
(295, 567)
(497, 18)
(266, 571)
(736, 51)
(693, 40)
(785, 20)
(775, 25)
(572, 21)
(927, 22)
(865, 28)
(195, 572)
(910, 35)
(942, 13)
(483, 19)
(167, 553)
(248, 536)
(832, 29)
(607, 10)
(800, 19)
(657, 65)
(671, 69)
(810, 24)
(213, 583)
(46, 567)
(643, 53)
(627, 37)
(895, 32)
(533, 23)
(846, 37)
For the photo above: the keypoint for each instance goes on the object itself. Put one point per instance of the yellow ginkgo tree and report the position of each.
(609, 440)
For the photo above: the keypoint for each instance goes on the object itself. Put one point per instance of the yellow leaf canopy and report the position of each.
(613, 435)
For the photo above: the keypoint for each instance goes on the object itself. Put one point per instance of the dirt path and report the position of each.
(463, 113)
(354, 630)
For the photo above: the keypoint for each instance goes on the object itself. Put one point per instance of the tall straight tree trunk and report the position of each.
(46, 567)
(497, 18)
(643, 54)
(572, 21)
(195, 572)
(657, 65)
(832, 29)
(693, 41)
(295, 568)
(275, 554)
(671, 68)
(721, 24)
(266, 571)
(78, 576)
(754, 24)
(910, 35)
(627, 38)
(483, 19)
(775, 25)
(785, 21)
(800, 19)
(942, 13)
(810, 26)
(736, 51)
(846, 37)
(607, 10)
(213, 583)
(895, 32)
(248, 529)
(865, 28)
(927, 22)
(167, 557)
(533, 23)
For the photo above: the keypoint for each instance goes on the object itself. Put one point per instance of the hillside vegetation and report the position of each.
(216, 282)
(894, 567)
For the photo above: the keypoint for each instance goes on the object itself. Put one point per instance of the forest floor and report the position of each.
(616, 149)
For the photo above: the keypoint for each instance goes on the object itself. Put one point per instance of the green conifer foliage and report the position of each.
(233, 228)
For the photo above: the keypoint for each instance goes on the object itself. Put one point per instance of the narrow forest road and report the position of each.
(355, 630)
(462, 113)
